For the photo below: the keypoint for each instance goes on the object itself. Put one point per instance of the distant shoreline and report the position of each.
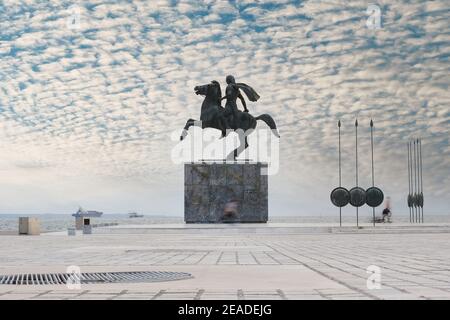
(57, 223)
(8, 233)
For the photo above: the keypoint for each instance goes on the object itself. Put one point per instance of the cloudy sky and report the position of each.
(91, 91)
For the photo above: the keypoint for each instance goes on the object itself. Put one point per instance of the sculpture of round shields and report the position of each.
(374, 197)
(357, 197)
(420, 200)
(340, 197)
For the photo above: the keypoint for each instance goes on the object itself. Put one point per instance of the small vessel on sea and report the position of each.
(135, 215)
(87, 213)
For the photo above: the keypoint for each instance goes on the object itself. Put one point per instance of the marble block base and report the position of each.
(225, 192)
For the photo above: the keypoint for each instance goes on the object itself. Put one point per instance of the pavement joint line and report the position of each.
(41, 294)
(323, 295)
(81, 293)
(199, 294)
(355, 275)
(410, 281)
(219, 258)
(384, 267)
(257, 261)
(354, 254)
(159, 294)
(334, 279)
(276, 260)
(282, 294)
(121, 293)
(203, 257)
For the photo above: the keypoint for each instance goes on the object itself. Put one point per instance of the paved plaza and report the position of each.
(239, 265)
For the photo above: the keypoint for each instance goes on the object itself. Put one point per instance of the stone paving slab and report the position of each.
(237, 266)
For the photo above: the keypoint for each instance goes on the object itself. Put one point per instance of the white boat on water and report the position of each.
(87, 213)
(135, 215)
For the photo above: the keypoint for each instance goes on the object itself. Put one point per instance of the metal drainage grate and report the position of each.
(94, 277)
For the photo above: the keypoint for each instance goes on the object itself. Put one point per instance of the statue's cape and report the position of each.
(249, 91)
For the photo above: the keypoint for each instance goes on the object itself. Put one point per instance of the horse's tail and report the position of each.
(270, 122)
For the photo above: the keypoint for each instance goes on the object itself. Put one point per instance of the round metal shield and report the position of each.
(374, 197)
(340, 197)
(357, 197)
(420, 200)
(410, 200)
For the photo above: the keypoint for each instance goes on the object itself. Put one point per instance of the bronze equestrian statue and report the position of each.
(227, 119)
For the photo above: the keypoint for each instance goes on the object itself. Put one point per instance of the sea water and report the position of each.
(60, 222)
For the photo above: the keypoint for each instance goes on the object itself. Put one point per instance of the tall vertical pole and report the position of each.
(340, 176)
(415, 181)
(421, 178)
(373, 170)
(409, 180)
(356, 135)
(418, 183)
(418, 180)
(412, 181)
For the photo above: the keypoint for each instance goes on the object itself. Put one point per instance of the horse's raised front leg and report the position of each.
(189, 124)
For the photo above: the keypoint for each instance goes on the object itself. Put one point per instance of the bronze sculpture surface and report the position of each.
(227, 119)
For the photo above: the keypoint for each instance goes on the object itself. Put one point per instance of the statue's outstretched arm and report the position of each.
(243, 102)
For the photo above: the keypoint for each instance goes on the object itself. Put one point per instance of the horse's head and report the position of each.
(211, 90)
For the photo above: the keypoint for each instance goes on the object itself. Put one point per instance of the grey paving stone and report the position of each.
(338, 260)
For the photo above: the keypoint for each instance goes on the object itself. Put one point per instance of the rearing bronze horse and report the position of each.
(213, 116)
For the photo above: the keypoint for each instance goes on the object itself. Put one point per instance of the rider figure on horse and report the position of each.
(232, 93)
(212, 114)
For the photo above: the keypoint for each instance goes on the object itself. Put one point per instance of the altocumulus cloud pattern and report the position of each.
(86, 110)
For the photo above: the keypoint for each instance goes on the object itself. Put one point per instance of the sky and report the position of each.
(91, 91)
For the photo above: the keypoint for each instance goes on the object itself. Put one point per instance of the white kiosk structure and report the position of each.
(83, 217)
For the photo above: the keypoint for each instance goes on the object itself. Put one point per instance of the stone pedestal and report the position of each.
(225, 192)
